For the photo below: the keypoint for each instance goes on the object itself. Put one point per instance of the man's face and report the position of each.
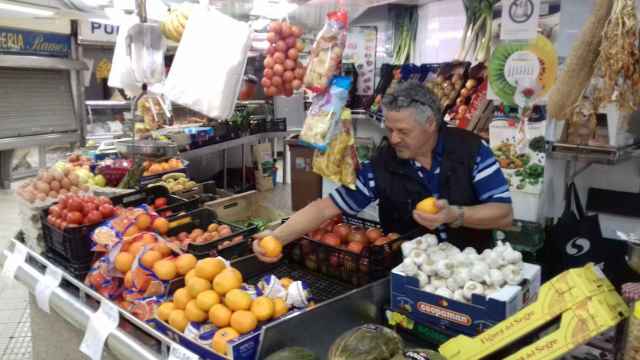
(408, 136)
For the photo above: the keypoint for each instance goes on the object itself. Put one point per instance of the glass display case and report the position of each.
(105, 119)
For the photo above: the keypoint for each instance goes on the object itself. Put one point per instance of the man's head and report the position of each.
(412, 116)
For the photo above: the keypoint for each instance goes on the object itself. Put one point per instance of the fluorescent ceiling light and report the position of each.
(26, 9)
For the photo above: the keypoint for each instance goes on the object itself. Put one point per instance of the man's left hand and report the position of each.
(446, 215)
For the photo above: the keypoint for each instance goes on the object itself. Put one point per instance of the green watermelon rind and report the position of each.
(367, 342)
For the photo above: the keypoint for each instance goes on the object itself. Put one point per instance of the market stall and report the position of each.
(153, 240)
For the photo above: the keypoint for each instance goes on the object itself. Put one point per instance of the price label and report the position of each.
(49, 282)
(17, 258)
(101, 324)
(180, 353)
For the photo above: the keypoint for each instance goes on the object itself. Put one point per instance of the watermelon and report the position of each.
(293, 353)
(367, 342)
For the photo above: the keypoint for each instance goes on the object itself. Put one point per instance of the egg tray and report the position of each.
(373, 263)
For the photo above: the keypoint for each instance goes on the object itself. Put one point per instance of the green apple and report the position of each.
(99, 181)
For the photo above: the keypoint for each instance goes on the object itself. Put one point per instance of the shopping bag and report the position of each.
(575, 239)
(208, 66)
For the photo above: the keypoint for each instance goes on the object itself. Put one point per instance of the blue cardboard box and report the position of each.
(459, 317)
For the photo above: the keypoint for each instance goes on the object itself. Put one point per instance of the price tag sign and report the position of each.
(14, 260)
(101, 324)
(180, 353)
(49, 282)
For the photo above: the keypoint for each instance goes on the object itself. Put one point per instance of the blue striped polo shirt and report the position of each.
(489, 183)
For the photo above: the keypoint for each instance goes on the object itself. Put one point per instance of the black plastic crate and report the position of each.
(73, 244)
(202, 218)
(78, 271)
(148, 195)
(373, 263)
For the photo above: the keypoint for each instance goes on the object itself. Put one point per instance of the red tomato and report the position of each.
(160, 202)
(342, 230)
(75, 204)
(103, 200)
(374, 234)
(50, 219)
(55, 210)
(89, 207)
(94, 217)
(106, 210)
(355, 247)
(331, 239)
(74, 217)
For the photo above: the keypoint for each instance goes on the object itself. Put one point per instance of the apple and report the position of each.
(99, 181)
(331, 239)
(343, 231)
(374, 234)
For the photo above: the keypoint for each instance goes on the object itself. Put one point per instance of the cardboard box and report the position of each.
(468, 318)
(240, 208)
(585, 299)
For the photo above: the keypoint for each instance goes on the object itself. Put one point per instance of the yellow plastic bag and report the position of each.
(339, 162)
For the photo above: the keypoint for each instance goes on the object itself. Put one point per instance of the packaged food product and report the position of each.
(326, 53)
(323, 117)
(339, 162)
(632, 338)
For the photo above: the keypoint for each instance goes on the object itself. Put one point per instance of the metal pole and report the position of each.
(224, 167)
(244, 174)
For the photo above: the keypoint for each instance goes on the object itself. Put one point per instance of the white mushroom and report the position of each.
(444, 268)
(418, 256)
(444, 292)
(494, 278)
(409, 267)
(423, 279)
(512, 257)
(438, 282)
(428, 267)
(478, 271)
(472, 287)
(407, 247)
(512, 274)
(458, 295)
(462, 276)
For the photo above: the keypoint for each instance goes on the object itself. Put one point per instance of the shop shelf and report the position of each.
(175, 204)
(597, 154)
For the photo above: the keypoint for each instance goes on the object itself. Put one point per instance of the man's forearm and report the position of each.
(488, 216)
(306, 220)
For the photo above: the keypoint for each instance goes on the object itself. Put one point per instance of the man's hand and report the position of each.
(446, 215)
(258, 250)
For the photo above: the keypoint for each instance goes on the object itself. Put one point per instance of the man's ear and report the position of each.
(432, 124)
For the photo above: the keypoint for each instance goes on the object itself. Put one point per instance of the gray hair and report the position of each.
(414, 95)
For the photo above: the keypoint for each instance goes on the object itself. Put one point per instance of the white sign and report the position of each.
(521, 68)
(180, 353)
(13, 261)
(90, 31)
(100, 325)
(49, 282)
(519, 19)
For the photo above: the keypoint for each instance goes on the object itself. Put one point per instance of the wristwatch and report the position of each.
(459, 221)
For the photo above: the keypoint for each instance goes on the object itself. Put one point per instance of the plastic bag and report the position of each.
(326, 53)
(323, 118)
(208, 67)
(339, 162)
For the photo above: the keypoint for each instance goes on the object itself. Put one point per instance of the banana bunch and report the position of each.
(173, 27)
(176, 182)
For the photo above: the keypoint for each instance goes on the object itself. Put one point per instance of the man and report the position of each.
(421, 158)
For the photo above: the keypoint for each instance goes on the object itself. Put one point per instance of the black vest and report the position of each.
(399, 187)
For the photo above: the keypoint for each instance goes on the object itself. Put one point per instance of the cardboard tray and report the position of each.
(240, 208)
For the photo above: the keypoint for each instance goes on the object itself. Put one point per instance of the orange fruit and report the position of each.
(149, 258)
(208, 268)
(131, 231)
(123, 261)
(143, 221)
(213, 227)
(280, 307)
(178, 320)
(161, 225)
(236, 273)
(181, 298)
(136, 247)
(237, 299)
(243, 321)
(128, 280)
(148, 238)
(271, 246)
(207, 299)
(185, 263)
(163, 249)
(221, 338)
(155, 168)
(164, 311)
(285, 282)
(189, 275)
(219, 315)
(428, 206)
(262, 307)
(165, 269)
(225, 281)
(194, 313)
(197, 285)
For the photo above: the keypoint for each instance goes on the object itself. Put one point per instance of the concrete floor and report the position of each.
(15, 324)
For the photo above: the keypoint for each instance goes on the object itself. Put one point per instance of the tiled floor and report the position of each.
(15, 324)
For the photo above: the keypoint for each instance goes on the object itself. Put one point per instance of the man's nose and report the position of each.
(394, 139)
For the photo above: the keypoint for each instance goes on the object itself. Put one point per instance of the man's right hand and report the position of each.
(258, 250)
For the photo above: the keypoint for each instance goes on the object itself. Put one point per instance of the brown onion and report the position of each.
(279, 57)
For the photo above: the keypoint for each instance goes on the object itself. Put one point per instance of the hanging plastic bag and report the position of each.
(326, 53)
(208, 67)
(339, 162)
(323, 118)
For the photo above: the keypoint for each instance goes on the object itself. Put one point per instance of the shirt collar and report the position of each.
(437, 153)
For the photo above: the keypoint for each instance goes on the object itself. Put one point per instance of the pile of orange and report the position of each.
(214, 292)
(152, 168)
